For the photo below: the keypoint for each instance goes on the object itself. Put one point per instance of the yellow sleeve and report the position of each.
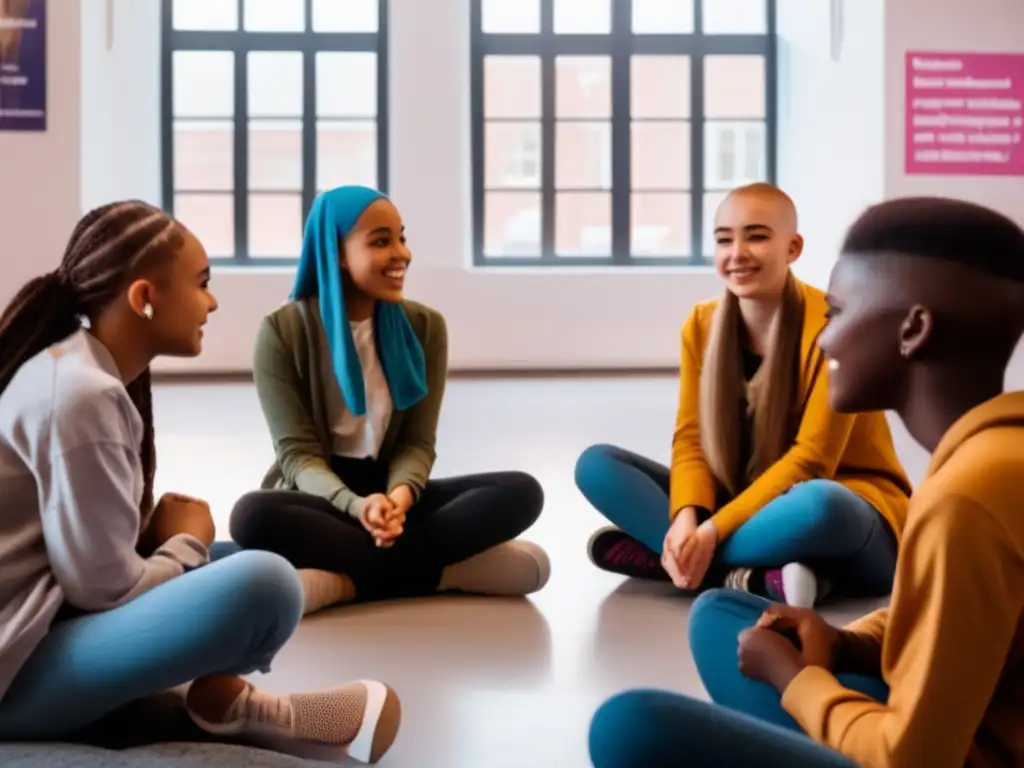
(820, 442)
(691, 482)
(956, 603)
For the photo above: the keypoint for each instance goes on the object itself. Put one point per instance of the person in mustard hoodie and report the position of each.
(927, 307)
(769, 490)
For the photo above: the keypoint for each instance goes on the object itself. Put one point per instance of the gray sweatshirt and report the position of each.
(70, 487)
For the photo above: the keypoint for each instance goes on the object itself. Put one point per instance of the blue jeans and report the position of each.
(745, 725)
(229, 617)
(818, 522)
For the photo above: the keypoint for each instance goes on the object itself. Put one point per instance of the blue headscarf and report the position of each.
(331, 218)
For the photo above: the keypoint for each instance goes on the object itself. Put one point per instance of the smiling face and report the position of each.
(374, 253)
(862, 340)
(179, 293)
(756, 241)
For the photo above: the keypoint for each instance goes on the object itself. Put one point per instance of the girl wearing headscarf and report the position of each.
(351, 376)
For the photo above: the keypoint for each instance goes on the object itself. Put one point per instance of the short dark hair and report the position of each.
(941, 228)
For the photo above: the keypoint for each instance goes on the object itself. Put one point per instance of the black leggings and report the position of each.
(454, 519)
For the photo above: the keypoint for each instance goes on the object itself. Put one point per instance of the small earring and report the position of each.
(148, 311)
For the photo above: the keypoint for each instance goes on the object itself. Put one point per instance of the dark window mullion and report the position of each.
(477, 128)
(167, 106)
(383, 107)
(697, 158)
(548, 105)
(622, 34)
(241, 153)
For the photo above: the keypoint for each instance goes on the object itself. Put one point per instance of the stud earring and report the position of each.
(148, 311)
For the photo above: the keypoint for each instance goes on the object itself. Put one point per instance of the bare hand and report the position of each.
(373, 512)
(682, 528)
(768, 657)
(697, 553)
(401, 502)
(175, 514)
(818, 641)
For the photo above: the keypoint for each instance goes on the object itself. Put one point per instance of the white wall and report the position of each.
(831, 121)
(839, 150)
(982, 26)
(120, 126)
(39, 200)
(575, 318)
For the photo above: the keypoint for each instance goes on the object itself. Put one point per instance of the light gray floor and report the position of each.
(484, 683)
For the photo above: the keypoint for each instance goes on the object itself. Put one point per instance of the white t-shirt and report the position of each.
(358, 437)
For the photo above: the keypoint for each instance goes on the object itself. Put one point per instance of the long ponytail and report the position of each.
(42, 313)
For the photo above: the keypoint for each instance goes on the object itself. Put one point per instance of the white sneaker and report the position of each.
(800, 585)
(359, 720)
(512, 569)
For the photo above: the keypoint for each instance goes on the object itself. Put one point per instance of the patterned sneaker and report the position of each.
(794, 584)
(615, 551)
(359, 720)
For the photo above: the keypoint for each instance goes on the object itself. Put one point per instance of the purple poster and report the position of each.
(22, 65)
(965, 113)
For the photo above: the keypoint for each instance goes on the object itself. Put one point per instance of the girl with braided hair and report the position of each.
(106, 597)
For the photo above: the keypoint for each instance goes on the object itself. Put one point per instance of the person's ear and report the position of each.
(916, 331)
(141, 298)
(796, 248)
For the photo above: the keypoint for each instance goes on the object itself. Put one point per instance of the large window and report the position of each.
(606, 132)
(265, 104)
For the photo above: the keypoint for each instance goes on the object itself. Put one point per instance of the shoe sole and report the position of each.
(381, 721)
(382, 717)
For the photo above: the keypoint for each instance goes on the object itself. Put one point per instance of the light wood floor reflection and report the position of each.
(484, 683)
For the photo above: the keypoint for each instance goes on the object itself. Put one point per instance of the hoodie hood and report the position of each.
(1006, 410)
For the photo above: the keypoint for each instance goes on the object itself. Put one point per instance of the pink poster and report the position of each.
(965, 114)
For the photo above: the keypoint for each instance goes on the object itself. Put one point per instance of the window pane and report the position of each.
(511, 16)
(583, 17)
(204, 155)
(346, 153)
(660, 224)
(734, 86)
(583, 86)
(660, 86)
(211, 15)
(659, 17)
(211, 218)
(346, 84)
(275, 225)
(583, 224)
(275, 15)
(512, 224)
(735, 16)
(711, 202)
(583, 155)
(736, 153)
(660, 155)
(511, 86)
(275, 84)
(513, 155)
(275, 154)
(204, 84)
(346, 15)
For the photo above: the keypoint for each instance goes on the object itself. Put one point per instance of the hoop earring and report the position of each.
(148, 311)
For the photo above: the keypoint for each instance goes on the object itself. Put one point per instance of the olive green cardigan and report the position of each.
(286, 370)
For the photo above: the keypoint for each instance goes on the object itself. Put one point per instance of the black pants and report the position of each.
(454, 518)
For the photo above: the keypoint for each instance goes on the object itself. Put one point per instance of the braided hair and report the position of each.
(108, 249)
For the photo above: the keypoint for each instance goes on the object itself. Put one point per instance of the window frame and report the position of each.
(241, 42)
(619, 45)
